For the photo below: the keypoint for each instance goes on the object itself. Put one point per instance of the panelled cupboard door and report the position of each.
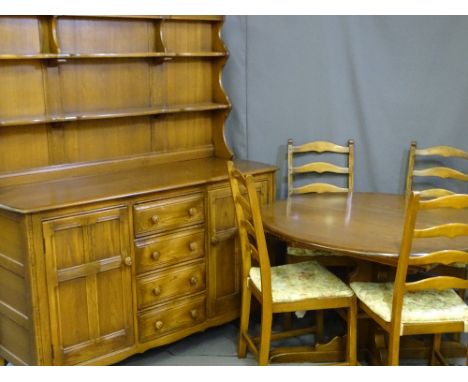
(88, 262)
(224, 258)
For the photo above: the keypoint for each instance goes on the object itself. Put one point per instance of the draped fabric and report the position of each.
(380, 80)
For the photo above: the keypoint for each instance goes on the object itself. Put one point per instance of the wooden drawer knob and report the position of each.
(155, 255)
(194, 314)
(192, 211)
(155, 219)
(193, 280)
(193, 246)
(128, 261)
(157, 291)
(158, 325)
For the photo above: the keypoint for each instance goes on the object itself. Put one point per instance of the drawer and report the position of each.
(157, 251)
(168, 318)
(169, 214)
(174, 282)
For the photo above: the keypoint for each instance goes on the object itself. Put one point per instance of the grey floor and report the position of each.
(217, 347)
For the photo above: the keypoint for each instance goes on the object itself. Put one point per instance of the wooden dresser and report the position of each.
(117, 230)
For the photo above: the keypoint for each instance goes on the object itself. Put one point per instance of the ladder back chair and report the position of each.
(317, 167)
(320, 167)
(280, 289)
(437, 172)
(429, 305)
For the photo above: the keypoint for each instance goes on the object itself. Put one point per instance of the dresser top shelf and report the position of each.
(73, 191)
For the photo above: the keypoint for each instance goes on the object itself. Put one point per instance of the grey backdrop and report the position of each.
(380, 80)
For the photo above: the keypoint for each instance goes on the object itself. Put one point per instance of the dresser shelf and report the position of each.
(120, 113)
(67, 56)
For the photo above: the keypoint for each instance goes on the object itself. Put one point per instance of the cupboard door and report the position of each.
(88, 262)
(224, 258)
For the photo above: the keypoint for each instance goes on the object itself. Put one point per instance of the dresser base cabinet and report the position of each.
(93, 283)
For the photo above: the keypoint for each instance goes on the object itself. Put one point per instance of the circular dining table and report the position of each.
(368, 228)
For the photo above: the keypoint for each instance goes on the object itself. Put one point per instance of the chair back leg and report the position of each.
(244, 321)
(265, 334)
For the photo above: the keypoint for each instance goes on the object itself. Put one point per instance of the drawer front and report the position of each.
(171, 317)
(157, 251)
(171, 283)
(169, 214)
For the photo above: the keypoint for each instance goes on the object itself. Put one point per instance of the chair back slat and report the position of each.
(254, 252)
(438, 283)
(244, 203)
(442, 172)
(250, 227)
(448, 201)
(435, 193)
(443, 151)
(448, 230)
(445, 257)
(320, 147)
(318, 188)
(434, 172)
(320, 167)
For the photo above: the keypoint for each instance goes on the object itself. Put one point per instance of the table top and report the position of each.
(368, 226)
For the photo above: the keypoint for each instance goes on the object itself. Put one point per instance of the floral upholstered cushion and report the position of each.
(295, 282)
(295, 251)
(421, 306)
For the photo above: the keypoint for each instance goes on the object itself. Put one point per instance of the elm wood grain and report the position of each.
(67, 192)
(98, 115)
(415, 231)
(365, 226)
(435, 152)
(254, 251)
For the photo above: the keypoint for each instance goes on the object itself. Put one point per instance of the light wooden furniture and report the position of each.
(366, 227)
(280, 289)
(117, 227)
(434, 172)
(317, 167)
(429, 305)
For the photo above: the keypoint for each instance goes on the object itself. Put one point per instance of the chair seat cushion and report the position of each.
(295, 251)
(420, 306)
(301, 281)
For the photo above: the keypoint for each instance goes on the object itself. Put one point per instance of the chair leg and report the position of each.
(265, 335)
(244, 322)
(436, 340)
(393, 348)
(351, 342)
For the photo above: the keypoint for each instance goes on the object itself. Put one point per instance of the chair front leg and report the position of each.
(244, 322)
(265, 334)
(351, 342)
(393, 347)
